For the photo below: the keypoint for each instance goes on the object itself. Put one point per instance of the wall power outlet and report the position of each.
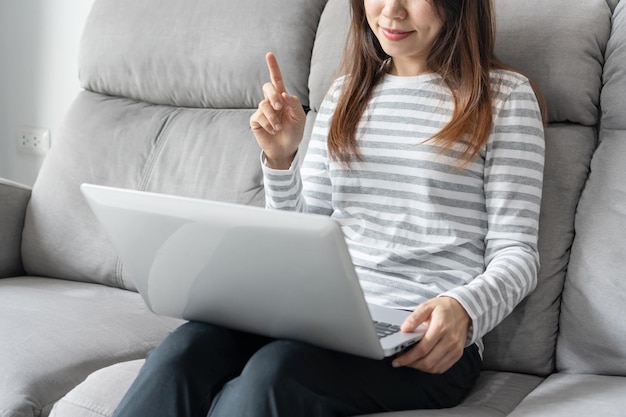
(32, 140)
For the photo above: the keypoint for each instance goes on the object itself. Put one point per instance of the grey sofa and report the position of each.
(168, 91)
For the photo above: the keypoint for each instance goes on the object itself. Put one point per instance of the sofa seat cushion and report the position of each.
(576, 396)
(100, 393)
(496, 394)
(55, 333)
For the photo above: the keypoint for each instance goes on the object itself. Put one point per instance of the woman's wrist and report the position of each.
(278, 163)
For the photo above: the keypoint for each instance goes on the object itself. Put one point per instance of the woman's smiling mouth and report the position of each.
(395, 35)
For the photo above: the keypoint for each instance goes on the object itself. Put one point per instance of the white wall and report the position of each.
(39, 41)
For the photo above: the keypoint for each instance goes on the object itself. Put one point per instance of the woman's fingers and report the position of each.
(265, 118)
(276, 75)
(444, 340)
(273, 117)
(273, 96)
(291, 112)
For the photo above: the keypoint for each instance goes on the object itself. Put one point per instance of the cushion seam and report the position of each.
(85, 407)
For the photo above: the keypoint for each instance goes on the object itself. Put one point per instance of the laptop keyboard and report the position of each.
(385, 329)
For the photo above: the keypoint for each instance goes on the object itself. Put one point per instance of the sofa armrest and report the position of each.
(14, 198)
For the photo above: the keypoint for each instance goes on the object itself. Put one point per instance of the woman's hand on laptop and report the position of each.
(278, 123)
(444, 341)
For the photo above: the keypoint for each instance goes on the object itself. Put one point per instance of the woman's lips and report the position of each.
(395, 35)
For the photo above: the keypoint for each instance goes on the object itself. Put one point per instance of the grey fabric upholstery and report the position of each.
(100, 393)
(593, 330)
(544, 38)
(329, 45)
(612, 4)
(68, 330)
(190, 56)
(614, 89)
(13, 200)
(575, 396)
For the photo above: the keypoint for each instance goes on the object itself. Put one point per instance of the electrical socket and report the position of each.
(32, 140)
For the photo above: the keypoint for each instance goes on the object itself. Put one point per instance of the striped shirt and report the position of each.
(417, 225)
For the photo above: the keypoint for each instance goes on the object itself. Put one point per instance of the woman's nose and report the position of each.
(394, 9)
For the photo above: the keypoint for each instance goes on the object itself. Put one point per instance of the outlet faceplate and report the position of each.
(32, 140)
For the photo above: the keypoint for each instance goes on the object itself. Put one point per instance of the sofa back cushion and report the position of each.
(169, 90)
(593, 329)
(208, 54)
(560, 45)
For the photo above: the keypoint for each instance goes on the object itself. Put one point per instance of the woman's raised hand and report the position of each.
(278, 123)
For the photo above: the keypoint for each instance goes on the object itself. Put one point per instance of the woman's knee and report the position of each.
(184, 348)
(276, 363)
(280, 379)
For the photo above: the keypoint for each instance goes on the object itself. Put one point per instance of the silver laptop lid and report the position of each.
(282, 274)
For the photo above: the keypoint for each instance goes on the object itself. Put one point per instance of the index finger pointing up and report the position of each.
(275, 75)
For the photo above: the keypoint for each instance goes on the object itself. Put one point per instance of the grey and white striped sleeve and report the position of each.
(513, 186)
(306, 186)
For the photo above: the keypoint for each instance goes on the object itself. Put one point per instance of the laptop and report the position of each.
(275, 273)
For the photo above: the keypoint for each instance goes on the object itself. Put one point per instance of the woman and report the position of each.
(429, 153)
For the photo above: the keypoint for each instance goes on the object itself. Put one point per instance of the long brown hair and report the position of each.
(463, 55)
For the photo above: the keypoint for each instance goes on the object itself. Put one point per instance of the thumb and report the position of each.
(420, 315)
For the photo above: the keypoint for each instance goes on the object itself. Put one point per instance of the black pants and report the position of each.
(205, 370)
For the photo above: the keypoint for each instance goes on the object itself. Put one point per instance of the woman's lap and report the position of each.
(201, 367)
